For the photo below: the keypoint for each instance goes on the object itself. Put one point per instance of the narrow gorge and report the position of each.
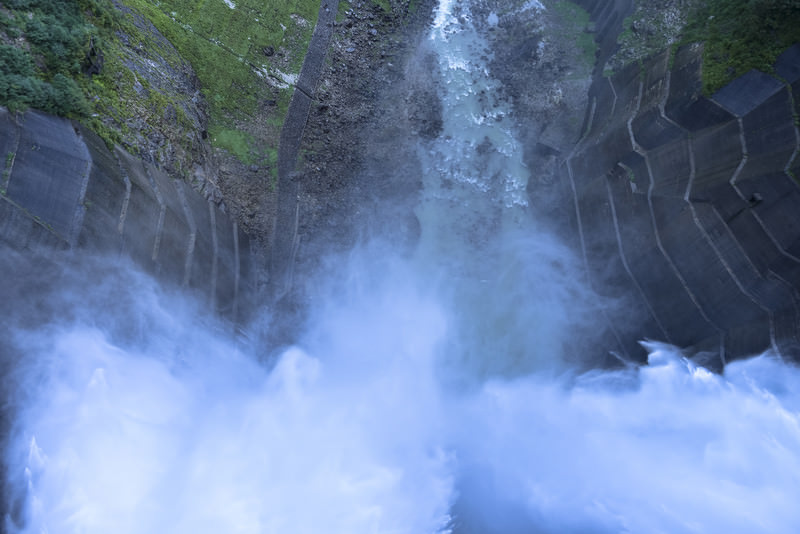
(462, 266)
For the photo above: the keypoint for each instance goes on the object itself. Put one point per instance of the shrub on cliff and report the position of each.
(741, 35)
(61, 97)
(50, 40)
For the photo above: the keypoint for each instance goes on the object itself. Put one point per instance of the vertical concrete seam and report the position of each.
(787, 172)
(742, 161)
(653, 220)
(10, 165)
(161, 213)
(589, 122)
(695, 218)
(574, 189)
(577, 213)
(624, 258)
(729, 269)
(666, 255)
(123, 214)
(614, 92)
(787, 169)
(80, 209)
(692, 172)
(237, 264)
(581, 233)
(716, 249)
(212, 213)
(795, 305)
(634, 145)
(187, 266)
(295, 247)
(583, 249)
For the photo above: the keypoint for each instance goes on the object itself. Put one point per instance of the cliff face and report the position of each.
(686, 206)
(63, 189)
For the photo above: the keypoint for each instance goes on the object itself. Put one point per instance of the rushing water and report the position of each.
(426, 394)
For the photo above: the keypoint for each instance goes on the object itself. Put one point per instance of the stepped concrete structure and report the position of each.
(63, 188)
(688, 207)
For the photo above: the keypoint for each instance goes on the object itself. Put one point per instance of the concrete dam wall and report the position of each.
(63, 188)
(688, 208)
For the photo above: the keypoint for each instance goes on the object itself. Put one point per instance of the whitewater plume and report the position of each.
(179, 431)
(355, 430)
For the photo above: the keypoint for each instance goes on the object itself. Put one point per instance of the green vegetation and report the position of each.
(738, 35)
(244, 146)
(341, 13)
(578, 18)
(244, 53)
(7, 170)
(229, 47)
(57, 40)
(650, 29)
(125, 105)
(741, 35)
(383, 4)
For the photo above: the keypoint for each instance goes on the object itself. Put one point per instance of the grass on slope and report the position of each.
(579, 21)
(236, 47)
(244, 52)
(741, 35)
(43, 48)
(230, 42)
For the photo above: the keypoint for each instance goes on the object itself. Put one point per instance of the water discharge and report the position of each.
(435, 393)
(476, 227)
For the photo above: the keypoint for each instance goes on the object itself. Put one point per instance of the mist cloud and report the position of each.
(175, 426)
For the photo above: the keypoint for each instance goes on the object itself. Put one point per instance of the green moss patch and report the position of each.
(244, 52)
(44, 46)
(651, 28)
(246, 55)
(578, 20)
(383, 4)
(741, 35)
(233, 49)
(238, 143)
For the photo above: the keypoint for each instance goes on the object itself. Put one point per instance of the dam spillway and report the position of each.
(440, 391)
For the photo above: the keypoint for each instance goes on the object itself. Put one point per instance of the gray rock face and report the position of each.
(607, 16)
(686, 206)
(62, 188)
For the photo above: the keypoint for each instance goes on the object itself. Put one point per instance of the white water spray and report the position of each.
(354, 431)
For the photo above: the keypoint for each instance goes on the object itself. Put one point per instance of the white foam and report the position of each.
(358, 432)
